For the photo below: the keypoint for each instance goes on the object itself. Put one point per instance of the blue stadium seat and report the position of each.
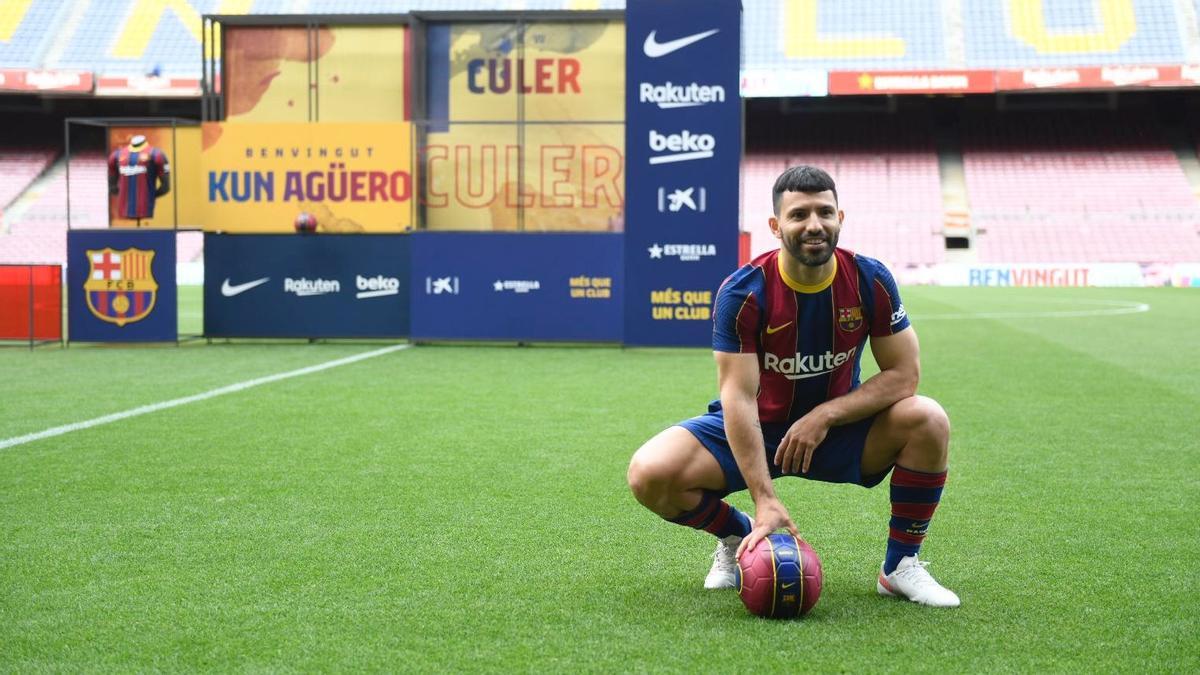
(846, 35)
(992, 39)
(850, 35)
(173, 49)
(28, 44)
(401, 6)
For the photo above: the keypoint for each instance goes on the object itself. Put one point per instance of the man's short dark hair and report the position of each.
(802, 178)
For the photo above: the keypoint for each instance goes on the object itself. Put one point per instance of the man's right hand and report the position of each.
(768, 517)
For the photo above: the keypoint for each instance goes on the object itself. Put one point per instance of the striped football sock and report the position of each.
(714, 515)
(915, 496)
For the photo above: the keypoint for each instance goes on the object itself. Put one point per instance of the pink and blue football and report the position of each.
(780, 578)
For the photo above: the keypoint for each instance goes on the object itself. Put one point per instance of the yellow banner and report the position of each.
(566, 177)
(565, 173)
(567, 72)
(351, 177)
(346, 73)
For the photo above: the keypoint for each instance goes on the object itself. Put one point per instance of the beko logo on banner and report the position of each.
(681, 147)
(305, 287)
(671, 95)
(376, 286)
(654, 49)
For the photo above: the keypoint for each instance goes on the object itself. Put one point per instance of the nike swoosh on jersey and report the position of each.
(771, 330)
(654, 49)
(229, 290)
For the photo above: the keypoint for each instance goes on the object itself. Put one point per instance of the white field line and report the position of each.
(1115, 307)
(213, 393)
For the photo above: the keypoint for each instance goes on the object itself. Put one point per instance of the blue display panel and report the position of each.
(516, 286)
(683, 145)
(319, 286)
(121, 286)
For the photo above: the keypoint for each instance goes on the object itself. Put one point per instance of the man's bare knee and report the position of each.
(668, 468)
(930, 419)
(927, 434)
(647, 478)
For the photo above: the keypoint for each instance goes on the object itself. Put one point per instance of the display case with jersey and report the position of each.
(138, 174)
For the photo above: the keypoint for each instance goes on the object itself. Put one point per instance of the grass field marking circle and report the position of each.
(1114, 308)
(212, 393)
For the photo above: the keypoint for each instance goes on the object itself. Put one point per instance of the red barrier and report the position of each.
(31, 302)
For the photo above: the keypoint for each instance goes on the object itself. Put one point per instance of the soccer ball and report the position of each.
(780, 578)
(306, 222)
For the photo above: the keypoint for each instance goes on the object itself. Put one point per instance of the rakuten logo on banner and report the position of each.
(681, 147)
(670, 95)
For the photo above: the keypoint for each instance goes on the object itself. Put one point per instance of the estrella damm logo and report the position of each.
(850, 318)
(120, 286)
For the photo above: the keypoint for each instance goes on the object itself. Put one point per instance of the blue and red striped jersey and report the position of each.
(137, 175)
(809, 339)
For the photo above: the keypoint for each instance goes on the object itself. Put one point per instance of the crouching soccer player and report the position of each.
(788, 334)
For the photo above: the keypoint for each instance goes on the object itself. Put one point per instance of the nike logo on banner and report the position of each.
(771, 330)
(229, 290)
(655, 49)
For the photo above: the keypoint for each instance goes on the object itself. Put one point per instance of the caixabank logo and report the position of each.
(120, 286)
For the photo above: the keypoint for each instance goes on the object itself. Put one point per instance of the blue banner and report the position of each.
(683, 146)
(516, 286)
(318, 286)
(122, 286)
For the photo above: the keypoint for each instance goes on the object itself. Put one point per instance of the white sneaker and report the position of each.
(911, 580)
(724, 567)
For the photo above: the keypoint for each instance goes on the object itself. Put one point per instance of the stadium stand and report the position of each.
(995, 37)
(136, 37)
(27, 29)
(396, 6)
(1058, 187)
(37, 233)
(18, 168)
(950, 34)
(888, 183)
(114, 39)
(848, 34)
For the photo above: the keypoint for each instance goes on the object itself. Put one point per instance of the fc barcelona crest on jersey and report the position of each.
(120, 286)
(850, 318)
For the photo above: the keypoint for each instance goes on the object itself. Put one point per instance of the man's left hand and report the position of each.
(795, 451)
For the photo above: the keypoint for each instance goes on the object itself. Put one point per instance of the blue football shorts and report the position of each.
(838, 459)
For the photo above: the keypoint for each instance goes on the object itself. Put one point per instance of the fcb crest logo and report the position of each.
(120, 287)
(850, 318)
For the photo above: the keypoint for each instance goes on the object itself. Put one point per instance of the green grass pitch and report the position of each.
(464, 508)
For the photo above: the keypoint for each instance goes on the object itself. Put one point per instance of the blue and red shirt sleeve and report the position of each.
(159, 159)
(887, 312)
(736, 313)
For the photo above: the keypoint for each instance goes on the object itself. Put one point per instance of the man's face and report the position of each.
(808, 225)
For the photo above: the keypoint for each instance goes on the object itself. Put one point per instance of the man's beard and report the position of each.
(795, 246)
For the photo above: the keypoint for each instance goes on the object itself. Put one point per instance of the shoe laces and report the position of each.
(917, 575)
(725, 555)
